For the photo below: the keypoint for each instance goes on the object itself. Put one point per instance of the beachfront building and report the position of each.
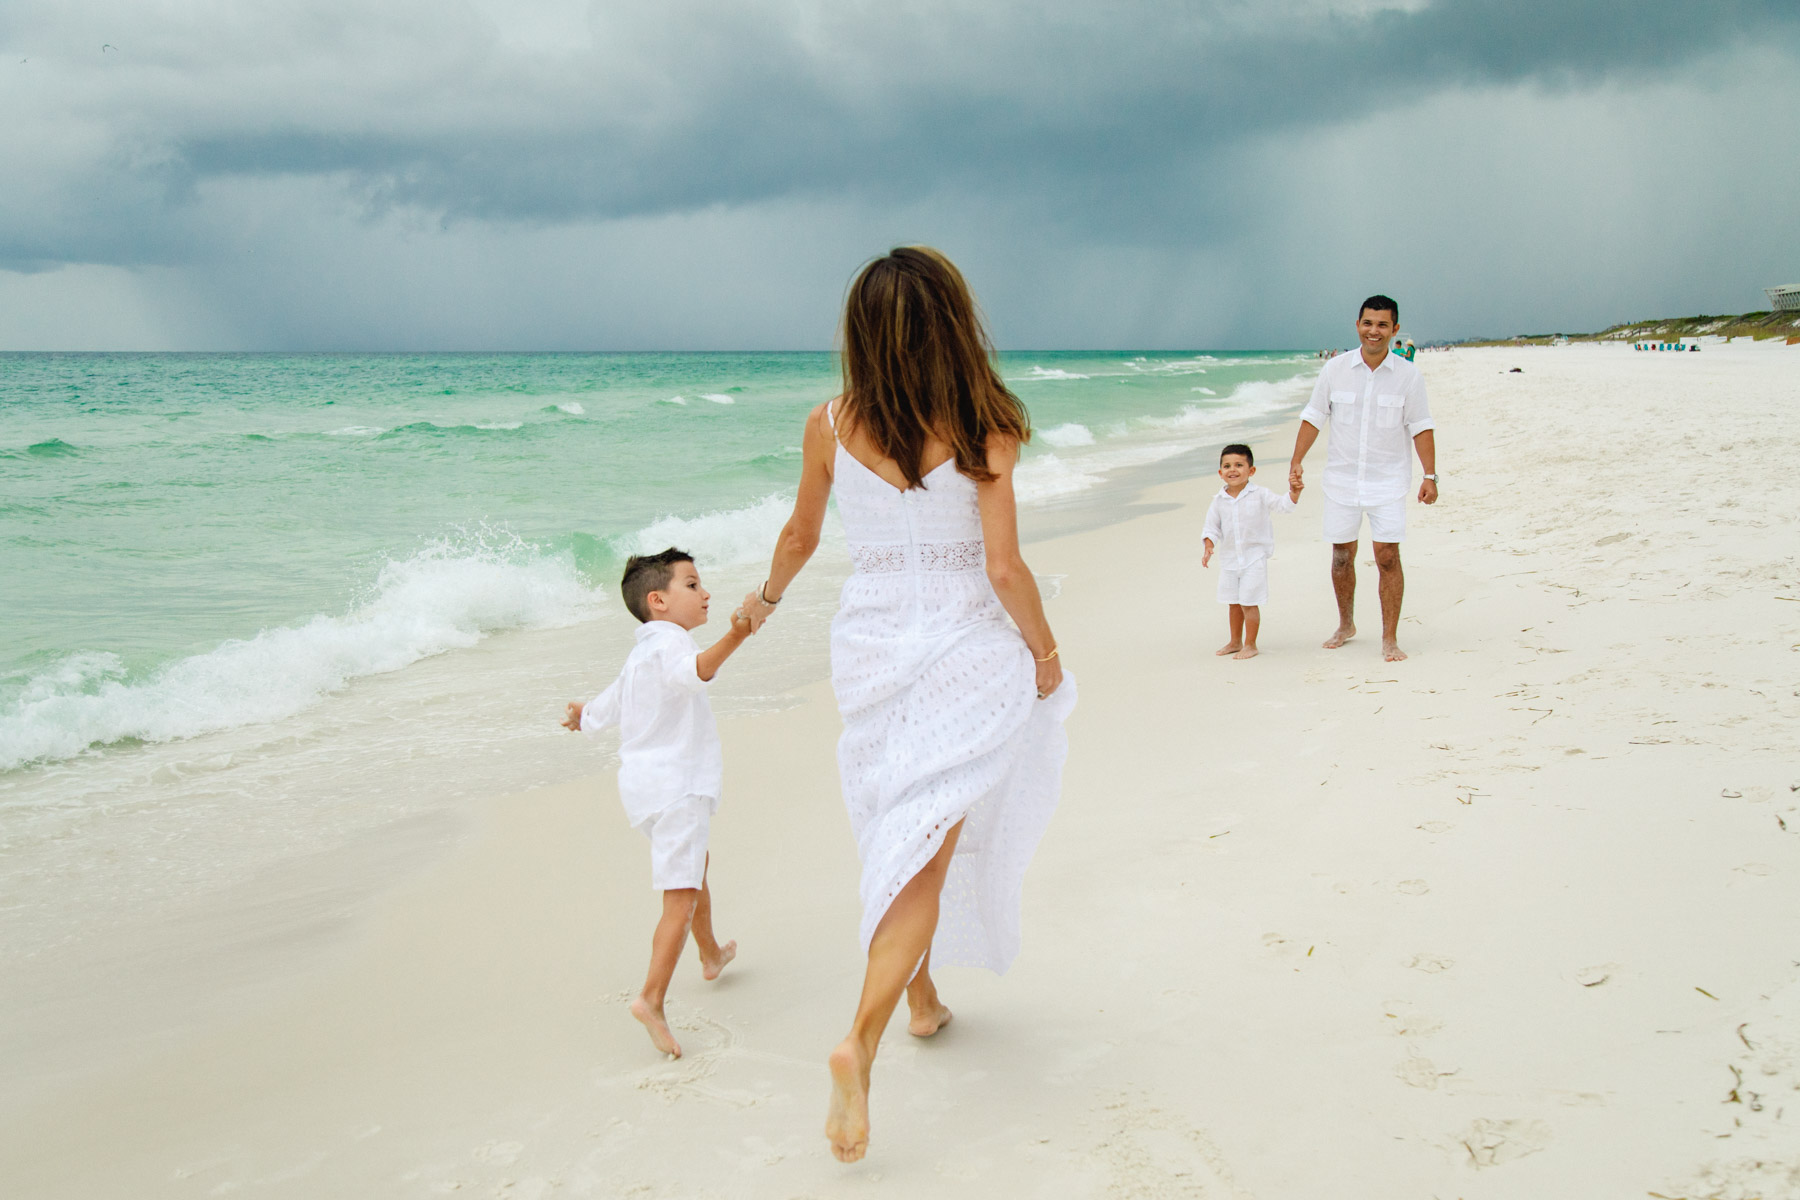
(1785, 298)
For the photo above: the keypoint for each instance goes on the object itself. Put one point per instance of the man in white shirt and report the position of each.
(1375, 402)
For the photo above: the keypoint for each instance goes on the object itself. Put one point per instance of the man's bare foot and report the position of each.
(1391, 651)
(1229, 648)
(1344, 633)
(924, 1024)
(1247, 652)
(847, 1120)
(653, 1020)
(710, 967)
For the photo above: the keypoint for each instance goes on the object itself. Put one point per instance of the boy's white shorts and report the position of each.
(678, 843)
(1343, 522)
(1247, 586)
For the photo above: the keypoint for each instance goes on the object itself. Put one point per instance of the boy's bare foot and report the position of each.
(1344, 633)
(653, 1020)
(1247, 652)
(924, 1024)
(847, 1120)
(1229, 648)
(710, 968)
(1391, 651)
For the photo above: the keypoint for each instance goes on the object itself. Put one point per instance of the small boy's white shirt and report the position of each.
(1241, 527)
(668, 740)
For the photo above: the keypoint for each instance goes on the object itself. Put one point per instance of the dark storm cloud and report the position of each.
(638, 110)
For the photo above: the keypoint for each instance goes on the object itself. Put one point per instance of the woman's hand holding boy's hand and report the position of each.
(741, 622)
(572, 718)
(754, 610)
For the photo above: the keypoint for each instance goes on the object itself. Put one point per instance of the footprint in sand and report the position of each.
(1420, 1073)
(1431, 964)
(1754, 868)
(501, 1154)
(1489, 1143)
(1152, 1151)
(1412, 887)
(1597, 974)
(1436, 827)
(1409, 1023)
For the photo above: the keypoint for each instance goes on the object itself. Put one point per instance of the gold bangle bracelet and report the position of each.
(1048, 656)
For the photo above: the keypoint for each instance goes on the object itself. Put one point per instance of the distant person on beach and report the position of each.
(1375, 402)
(945, 669)
(1239, 529)
(670, 763)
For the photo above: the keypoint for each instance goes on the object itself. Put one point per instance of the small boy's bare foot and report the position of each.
(710, 967)
(1391, 651)
(1344, 633)
(927, 1023)
(847, 1120)
(1247, 652)
(1229, 648)
(652, 1019)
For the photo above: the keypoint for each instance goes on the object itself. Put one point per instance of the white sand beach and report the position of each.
(1513, 918)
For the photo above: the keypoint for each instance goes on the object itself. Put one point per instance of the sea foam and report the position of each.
(728, 537)
(1071, 434)
(450, 594)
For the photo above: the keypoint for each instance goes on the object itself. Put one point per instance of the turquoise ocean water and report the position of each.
(251, 602)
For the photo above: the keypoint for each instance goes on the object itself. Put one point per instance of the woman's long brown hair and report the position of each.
(918, 364)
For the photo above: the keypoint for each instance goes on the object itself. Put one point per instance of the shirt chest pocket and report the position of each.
(1343, 406)
(1388, 410)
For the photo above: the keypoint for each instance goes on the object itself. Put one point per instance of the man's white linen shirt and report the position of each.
(1374, 417)
(1240, 526)
(668, 740)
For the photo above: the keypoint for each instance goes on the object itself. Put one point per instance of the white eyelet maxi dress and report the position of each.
(941, 717)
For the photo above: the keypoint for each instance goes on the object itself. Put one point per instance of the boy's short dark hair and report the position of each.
(1238, 448)
(646, 573)
(1380, 303)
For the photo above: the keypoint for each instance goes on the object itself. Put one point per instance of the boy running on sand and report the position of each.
(670, 763)
(1239, 528)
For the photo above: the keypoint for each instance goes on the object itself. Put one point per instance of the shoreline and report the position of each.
(199, 961)
(1306, 925)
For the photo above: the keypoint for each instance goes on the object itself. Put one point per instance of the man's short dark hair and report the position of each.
(646, 573)
(1238, 448)
(1379, 302)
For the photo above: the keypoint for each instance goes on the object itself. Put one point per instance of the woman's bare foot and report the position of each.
(710, 967)
(1229, 648)
(847, 1120)
(653, 1020)
(1344, 633)
(1247, 652)
(1391, 651)
(924, 1024)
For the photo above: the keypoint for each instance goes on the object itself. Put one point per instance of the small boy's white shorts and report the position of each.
(678, 843)
(1343, 522)
(1247, 586)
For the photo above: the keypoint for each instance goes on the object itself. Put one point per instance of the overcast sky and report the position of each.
(707, 174)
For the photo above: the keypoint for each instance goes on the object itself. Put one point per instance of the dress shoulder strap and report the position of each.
(831, 417)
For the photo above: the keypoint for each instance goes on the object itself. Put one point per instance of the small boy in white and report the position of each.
(1239, 528)
(670, 763)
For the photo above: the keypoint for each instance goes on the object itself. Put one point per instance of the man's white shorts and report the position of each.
(1247, 586)
(1343, 522)
(678, 843)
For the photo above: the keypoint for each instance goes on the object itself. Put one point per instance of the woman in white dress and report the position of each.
(944, 666)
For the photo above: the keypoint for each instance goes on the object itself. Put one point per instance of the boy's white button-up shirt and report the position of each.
(1374, 417)
(668, 740)
(1240, 527)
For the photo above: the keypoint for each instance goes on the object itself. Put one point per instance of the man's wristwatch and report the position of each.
(1433, 478)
